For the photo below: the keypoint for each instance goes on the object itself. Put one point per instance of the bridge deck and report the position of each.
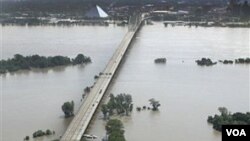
(81, 120)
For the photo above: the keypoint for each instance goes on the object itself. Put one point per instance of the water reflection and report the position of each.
(58, 69)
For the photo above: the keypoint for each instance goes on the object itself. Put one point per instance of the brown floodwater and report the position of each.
(188, 94)
(31, 100)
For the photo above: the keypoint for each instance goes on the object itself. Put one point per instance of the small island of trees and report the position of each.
(209, 62)
(20, 62)
(155, 104)
(226, 61)
(205, 62)
(242, 61)
(40, 133)
(226, 118)
(161, 60)
(120, 104)
(68, 109)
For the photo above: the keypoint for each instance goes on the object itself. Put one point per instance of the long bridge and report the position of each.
(81, 120)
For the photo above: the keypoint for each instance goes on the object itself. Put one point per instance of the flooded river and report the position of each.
(187, 93)
(32, 100)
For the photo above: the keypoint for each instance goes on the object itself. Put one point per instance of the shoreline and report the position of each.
(208, 24)
(120, 23)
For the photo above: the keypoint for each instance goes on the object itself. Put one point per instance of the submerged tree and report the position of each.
(27, 138)
(115, 130)
(223, 111)
(111, 104)
(123, 103)
(87, 89)
(120, 104)
(68, 109)
(105, 110)
(155, 104)
(80, 59)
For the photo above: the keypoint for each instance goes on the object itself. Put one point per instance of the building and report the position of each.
(96, 13)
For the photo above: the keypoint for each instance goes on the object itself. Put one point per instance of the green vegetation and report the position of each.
(138, 109)
(68, 109)
(226, 61)
(226, 118)
(81, 59)
(146, 108)
(120, 104)
(27, 138)
(155, 104)
(208, 62)
(87, 89)
(242, 61)
(38, 133)
(96, 77)
(20, 62)
(160, 60)
(205, 62)
(48, 132)
(115, 130)
(105, 110)
(83, 96)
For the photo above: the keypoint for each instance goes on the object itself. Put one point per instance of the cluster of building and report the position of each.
(234, 11)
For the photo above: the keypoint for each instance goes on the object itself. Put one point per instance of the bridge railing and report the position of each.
(134, 22)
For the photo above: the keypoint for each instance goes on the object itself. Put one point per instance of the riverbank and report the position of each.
(21, 21)
(53, 21)
(207, 24)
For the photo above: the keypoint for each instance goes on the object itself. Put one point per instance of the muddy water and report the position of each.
(188, 93)
(32, 100)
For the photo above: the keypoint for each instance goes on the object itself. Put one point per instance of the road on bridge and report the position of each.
(81, 120)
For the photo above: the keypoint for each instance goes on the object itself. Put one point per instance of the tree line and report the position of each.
(19, 62)
(227, 118)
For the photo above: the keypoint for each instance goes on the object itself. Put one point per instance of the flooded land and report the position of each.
(188, 93)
